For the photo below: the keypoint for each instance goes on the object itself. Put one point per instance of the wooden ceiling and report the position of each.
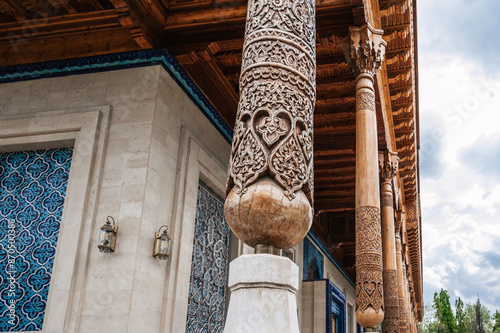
(206, 37)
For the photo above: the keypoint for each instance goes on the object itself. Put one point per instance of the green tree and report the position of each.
(460, 316)
(496, 326)
(444, 313)
(477, 318)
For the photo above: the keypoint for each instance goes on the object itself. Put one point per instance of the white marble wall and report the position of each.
(145, 164)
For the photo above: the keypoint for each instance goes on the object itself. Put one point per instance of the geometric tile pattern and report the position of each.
(33, 186)
(210, 265)
(313, 261)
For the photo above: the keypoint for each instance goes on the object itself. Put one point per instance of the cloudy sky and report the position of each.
(459, 74)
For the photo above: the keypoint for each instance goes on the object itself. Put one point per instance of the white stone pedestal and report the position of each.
(263, 288)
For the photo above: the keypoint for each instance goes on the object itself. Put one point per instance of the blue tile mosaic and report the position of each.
(313, 261)
(33, 187)
(210, 265)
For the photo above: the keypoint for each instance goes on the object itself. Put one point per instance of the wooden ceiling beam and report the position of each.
(333, 152)
(144, 19)
(210, 13)
(16, 9)
(208, 76)
(60, 26)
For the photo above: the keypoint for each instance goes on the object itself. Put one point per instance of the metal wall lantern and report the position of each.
(107, 237)
(161, 248)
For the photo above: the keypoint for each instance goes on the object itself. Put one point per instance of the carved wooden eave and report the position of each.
(398, 19)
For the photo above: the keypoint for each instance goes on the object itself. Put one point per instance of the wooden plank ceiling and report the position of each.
(206, 37)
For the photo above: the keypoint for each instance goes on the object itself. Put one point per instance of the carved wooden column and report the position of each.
(388, 168)
(364, 49)
(407, 295)
(399, 265)
(269, 188)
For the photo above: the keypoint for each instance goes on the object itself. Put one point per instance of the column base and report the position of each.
(263, 288)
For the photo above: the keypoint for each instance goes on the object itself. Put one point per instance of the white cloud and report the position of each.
(460, 196)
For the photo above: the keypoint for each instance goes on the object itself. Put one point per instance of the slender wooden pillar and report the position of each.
(399, 265)
(407, 297)
(388, 168)
(269, 188)
(364, 49)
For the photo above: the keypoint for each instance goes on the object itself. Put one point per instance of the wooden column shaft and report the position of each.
(388, 169)
(270, 182)
(399, 265)
(364, 49)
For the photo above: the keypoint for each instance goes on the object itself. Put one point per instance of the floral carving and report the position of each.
(277, 96)
(272, 128)
(391, 313)
(288, 164)
(278, 52)
(402, 316)
(369, 288)
(365, 101)
(248, 161)
(364, 49)
(387, 200)
(388, 165)
(294, 16)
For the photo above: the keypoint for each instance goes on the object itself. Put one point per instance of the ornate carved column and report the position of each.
(364, 49)
(407, 295)
(388, 168)
(269, 188)
(399, 265)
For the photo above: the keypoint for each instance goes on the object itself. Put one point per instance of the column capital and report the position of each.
(388, 164)
(364, 49)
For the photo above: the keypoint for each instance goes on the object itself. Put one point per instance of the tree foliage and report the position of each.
(468, 318)
(444, 313)
(496, 325)
(460, 316)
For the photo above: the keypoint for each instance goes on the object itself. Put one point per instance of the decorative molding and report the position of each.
(369, 288)
(391, 313)
(118, 61)
(388, 165)
(365, 101)
(387, 200)
(334, 295)
(364, 49)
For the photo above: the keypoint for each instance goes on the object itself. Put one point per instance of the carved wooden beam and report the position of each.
(144, 19)
(271, 166)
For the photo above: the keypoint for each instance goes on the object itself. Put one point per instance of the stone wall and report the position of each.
(141, 145)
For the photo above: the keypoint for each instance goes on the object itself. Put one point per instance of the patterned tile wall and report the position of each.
(313, 261)
(210, 265)
(32, 191)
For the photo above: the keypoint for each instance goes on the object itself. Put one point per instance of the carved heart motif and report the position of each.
(369, 287)
(272, 128)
